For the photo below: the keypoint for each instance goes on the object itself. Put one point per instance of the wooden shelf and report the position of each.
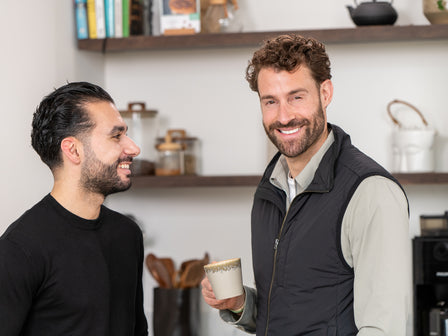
(342, 35)
(422, 178)
(252, 180)
(194, 181)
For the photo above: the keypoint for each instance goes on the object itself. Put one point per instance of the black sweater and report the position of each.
(64, 275)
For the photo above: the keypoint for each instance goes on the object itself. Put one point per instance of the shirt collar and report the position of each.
(279, 176)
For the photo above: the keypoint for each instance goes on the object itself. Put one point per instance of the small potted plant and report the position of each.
(436, 11)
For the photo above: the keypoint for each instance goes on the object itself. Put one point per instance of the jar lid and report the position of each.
(169, 145)
(178, 139)
(138, 107)
(178, 135)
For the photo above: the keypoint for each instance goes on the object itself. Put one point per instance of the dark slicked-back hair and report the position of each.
(62, 114)
(289, 52)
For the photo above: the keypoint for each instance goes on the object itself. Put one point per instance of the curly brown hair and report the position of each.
(288, 52)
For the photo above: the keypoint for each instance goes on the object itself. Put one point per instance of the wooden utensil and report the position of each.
(178, 274)
(169, 265)
(193, 273)
(159, 271)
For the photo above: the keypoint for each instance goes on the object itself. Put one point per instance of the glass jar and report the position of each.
(214, 16)
(221, 16)
(234, 22)
(190, 147)
(143, 125)
(170, 158)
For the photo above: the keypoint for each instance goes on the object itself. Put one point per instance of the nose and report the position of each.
(285, 113)
(131, 148)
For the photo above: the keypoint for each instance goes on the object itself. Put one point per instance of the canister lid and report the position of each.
(178, 135)
(138, 107)
(169, 145)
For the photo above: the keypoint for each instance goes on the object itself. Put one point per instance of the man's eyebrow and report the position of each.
(118, 129)
(267, 97)
(298, 91)
(292, 92)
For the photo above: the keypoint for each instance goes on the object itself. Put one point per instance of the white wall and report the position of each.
(38, 54)
(204, 91)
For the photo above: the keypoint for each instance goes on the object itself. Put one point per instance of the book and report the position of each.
(135, 17)
(82, 31)
(147, 17)
(180, 17)
(109, 17)
(125, 5)
(118, 11)
(91, 19)
(100, 19)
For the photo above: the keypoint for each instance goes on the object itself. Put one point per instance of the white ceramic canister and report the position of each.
(413, 148)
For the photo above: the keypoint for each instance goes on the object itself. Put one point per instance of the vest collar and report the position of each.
(323, 180)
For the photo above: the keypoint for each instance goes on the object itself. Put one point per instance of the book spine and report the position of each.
(125, 18)
(100, 19)
(82, 31)
(91, 19)
(109, 17)
(135, 17)
(118, 8)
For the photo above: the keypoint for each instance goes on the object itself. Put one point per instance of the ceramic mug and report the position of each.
(226, 278)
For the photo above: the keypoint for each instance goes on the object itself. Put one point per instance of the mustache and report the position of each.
(125, 159)
(292, 123)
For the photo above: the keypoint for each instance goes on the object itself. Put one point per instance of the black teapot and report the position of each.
(373, 13)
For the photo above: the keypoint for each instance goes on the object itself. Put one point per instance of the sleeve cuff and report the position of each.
(246, 321)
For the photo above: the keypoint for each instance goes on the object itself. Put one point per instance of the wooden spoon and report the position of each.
(169, 265)
(159, 272)
(194, 273)
(178, 274)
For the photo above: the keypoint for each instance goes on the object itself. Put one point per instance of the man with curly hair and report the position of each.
(330, 241)
(69, 265)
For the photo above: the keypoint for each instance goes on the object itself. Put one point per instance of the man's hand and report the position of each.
(234, 303)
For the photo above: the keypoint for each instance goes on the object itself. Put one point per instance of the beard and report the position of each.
(312, 130)
(101, 178)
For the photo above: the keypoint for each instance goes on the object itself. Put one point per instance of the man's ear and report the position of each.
(326, 93)
(71, 149)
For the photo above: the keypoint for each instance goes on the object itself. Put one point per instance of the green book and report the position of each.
(125, 18)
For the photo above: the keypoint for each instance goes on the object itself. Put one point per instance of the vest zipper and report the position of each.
(276, 242)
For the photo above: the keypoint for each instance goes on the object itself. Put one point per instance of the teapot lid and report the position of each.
(374, 1)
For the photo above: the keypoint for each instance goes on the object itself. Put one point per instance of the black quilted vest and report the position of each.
(304, 285)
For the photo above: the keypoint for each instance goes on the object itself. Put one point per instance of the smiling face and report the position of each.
(108, 152)
(293, 108)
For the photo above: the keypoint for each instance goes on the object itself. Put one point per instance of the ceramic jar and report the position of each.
(436, 11)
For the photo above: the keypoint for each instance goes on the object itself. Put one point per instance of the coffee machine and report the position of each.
(430, 260)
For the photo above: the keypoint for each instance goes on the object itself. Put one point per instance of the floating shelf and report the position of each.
(194, 181)
(252, 180)
(340, 35)
(422, 178)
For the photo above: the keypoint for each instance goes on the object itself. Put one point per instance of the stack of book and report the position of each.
(97, 19)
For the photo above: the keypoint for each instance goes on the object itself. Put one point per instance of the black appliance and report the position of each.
(430, 263)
